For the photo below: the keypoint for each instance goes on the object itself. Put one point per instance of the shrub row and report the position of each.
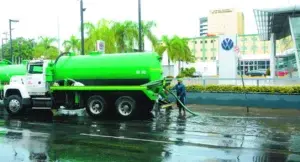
(248, 89)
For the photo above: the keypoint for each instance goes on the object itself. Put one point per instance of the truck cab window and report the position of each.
(35, 69)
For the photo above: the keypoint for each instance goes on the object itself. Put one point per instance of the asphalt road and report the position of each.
(218, 134)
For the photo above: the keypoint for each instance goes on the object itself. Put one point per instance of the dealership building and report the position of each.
(254, 49)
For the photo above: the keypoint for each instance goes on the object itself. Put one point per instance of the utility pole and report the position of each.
(10, 37)
(82, 27)
(140, 26)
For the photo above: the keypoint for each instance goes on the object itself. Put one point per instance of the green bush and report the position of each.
(248, 89)
(186, 72)
(169, 77)
(180, 76)
(268, 72)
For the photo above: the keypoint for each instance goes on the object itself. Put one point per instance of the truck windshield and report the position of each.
(35, 69)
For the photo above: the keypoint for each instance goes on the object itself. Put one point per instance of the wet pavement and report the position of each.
(219, 134)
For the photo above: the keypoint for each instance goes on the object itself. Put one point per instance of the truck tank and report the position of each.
(7, 70)
(109, 69)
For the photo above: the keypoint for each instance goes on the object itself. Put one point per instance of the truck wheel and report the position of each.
(126, 106)
(96, 106)
(14, 105)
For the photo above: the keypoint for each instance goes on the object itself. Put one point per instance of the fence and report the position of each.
(238, 81)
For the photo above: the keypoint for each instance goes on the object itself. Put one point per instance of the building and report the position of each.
(281, 24)
(274, 47)
(203, 26)
(225, 22)
(254, 54)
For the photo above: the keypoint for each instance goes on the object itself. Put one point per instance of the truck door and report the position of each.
(35, 80)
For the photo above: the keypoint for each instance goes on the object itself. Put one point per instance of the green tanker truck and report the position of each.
(7, 70)
(128, 84)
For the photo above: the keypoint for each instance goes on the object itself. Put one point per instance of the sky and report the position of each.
(62, 17)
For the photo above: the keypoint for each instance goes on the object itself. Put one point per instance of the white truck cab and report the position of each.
(28, 90)
(35, 79)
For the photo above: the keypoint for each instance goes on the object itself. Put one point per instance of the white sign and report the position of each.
(221, 11)
(227, 58)
(237, 51)
(100, 46)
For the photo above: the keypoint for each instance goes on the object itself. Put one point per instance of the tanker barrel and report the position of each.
(5, 62)
(109, 69)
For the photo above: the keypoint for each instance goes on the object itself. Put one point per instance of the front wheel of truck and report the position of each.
(14, 105)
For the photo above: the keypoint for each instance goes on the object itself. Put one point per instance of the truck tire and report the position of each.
(126, 106)
(96, 106)
(14, 105)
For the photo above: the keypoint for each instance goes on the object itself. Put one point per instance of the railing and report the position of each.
(238, 81)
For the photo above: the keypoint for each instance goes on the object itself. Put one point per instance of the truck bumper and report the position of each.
(26, 102)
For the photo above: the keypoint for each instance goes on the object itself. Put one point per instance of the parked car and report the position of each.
(281, 72)
(196, 75)
(259, 72)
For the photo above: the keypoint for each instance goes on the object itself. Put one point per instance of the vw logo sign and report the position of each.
(227, 44)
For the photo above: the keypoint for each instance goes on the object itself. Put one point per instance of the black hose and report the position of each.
(60, 56)
(188, 110)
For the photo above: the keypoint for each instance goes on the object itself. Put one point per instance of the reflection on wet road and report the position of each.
(210, 137)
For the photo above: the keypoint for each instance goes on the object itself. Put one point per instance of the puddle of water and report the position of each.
(212, 136)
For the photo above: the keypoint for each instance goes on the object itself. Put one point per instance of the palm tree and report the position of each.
(126, 34)
(184, 52)
(147, 31)
(101, 31)
(46, 42)
(166, 46)
(72, 44)
(44, 48)
(177, 49)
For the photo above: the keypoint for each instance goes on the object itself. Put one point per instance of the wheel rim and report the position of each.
(125, 108)
(96, 107)
(14, 105)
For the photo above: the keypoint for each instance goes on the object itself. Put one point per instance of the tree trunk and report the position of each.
(179, 67)
(169, 68)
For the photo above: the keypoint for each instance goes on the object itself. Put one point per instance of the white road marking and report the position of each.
(126, 138)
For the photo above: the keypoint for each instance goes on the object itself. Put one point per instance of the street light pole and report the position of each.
(10, 37)
(10, 51)
(140, 26)
(82, 27)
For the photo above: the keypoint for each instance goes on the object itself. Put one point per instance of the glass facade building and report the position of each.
(278, 23)
(245, 66)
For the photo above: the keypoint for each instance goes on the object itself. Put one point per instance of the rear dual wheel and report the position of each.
(96, 106)
(125, 106)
